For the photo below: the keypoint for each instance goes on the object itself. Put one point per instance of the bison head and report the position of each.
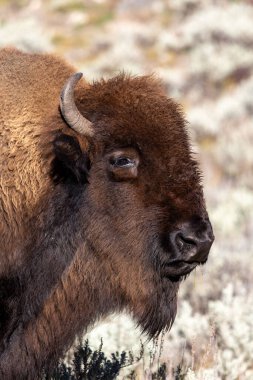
(145, 221)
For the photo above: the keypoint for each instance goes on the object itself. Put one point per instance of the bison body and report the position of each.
(101, 207)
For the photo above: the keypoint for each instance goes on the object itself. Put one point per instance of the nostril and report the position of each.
(192, 242)
(185, 242)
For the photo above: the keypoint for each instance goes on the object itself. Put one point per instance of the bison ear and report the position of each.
(70, 164)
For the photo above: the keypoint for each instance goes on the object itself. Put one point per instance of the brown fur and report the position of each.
(77, 246)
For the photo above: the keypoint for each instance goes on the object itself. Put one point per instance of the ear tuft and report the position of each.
(70, 164)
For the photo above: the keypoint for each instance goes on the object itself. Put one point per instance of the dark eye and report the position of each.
(122, 162)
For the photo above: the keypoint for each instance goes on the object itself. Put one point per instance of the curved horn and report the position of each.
(69, 110)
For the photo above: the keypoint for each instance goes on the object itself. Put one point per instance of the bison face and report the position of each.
(145, 218)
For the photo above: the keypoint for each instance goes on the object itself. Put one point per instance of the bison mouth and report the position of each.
(178, 269)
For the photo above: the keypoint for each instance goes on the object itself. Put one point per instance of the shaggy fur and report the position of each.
(77, 241)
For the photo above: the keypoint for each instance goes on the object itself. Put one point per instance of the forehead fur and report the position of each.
(135, 110)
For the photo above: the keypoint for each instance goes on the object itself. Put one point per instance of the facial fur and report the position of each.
(135, 213)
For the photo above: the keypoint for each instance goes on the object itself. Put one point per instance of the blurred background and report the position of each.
(203, 51)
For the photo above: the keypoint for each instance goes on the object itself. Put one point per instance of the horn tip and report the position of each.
(78, 75)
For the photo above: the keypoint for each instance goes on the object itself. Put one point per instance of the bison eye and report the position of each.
(122, 162)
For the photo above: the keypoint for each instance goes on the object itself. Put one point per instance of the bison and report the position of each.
(101, 207)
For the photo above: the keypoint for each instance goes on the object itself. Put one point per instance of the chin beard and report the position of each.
(160, 311)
